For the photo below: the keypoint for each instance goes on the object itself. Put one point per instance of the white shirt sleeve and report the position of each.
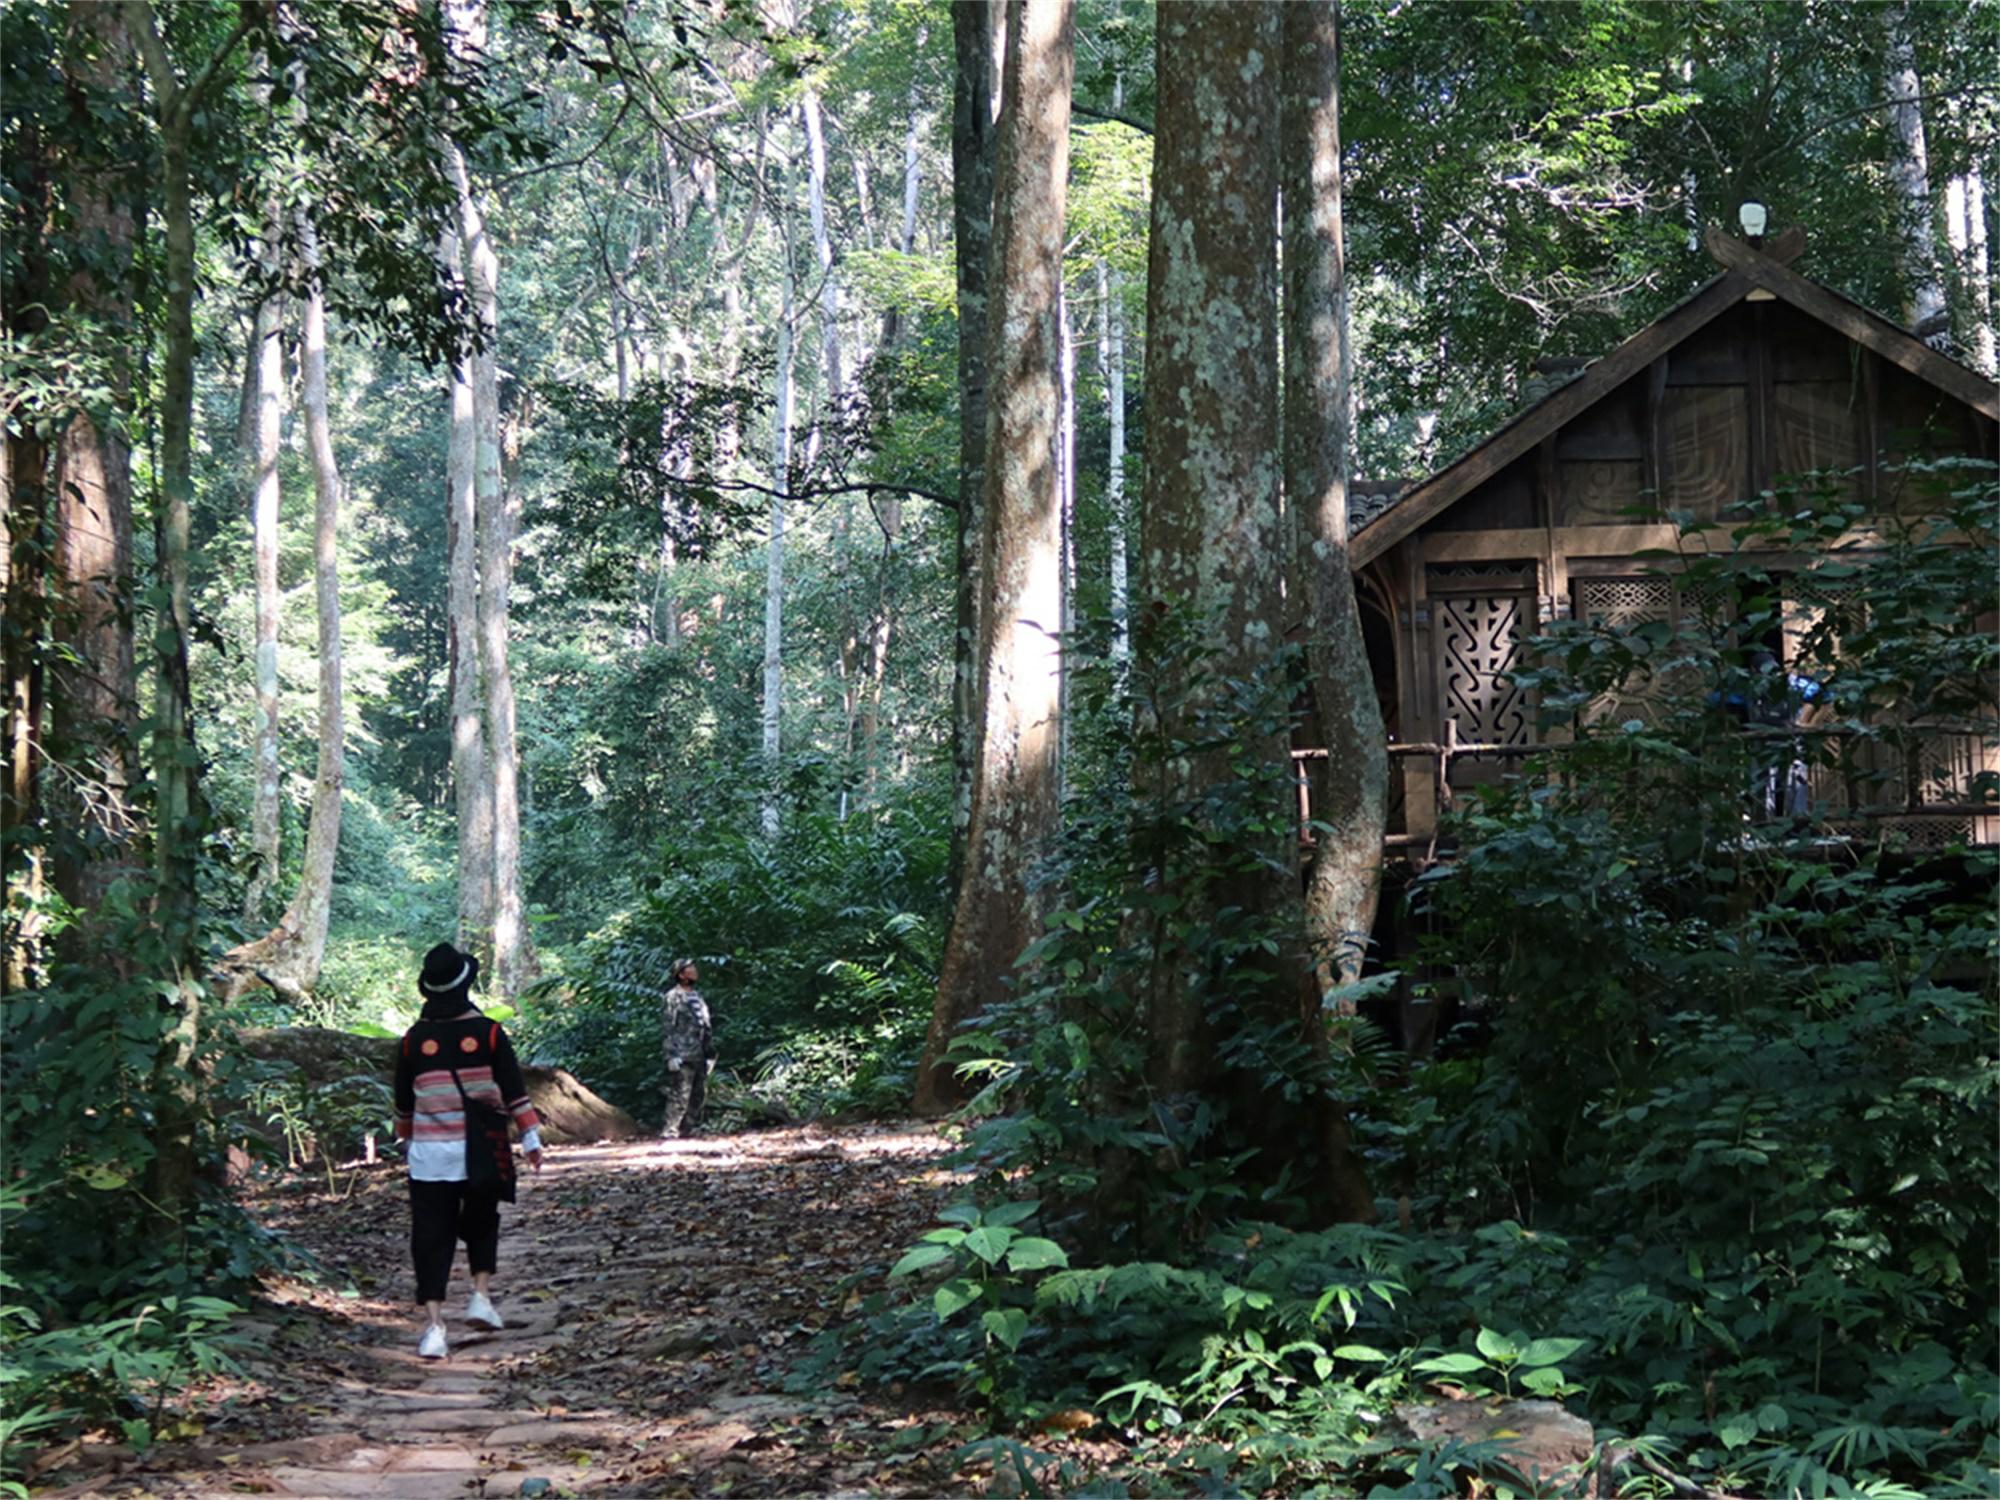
(531, 1139)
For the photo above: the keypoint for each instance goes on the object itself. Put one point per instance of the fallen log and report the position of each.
(571, 1113)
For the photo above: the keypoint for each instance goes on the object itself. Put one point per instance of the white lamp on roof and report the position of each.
(1753, 216)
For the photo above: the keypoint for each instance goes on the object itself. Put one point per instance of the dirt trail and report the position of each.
(657, 1297)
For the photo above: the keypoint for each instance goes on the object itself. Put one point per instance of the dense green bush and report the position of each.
(818, 952)
(1729, 1186)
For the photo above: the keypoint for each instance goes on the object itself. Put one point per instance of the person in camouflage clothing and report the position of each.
(687, 1040)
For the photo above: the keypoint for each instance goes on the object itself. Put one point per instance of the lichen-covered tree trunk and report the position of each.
(1923, 289)
(1350, 794)
(972, 152)
(1209, 528)
(1014, 788)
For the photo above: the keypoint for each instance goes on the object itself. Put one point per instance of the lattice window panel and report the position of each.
(1621, 603)
(1625, 601)
(1478, 644)
(1925, 831)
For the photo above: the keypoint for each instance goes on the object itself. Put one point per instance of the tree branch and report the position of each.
(174, 95)
(819, 492)
(1112, 115)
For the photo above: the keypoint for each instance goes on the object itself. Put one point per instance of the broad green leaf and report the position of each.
(1451, 1364)
(960, 1213)
(1006, 1325)
(1009, 1214)
(1031, 1254)
(1361, 1352)
(1496, 1346)
(1543, 1382)
(1736, 1431)
(922, 1257)
(1550, 1351)
(954, 1297)
(989, 1242)
(1773, 1417)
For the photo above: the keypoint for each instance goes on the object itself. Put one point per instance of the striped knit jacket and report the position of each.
(430, 1116)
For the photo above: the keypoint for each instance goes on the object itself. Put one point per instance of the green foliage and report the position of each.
(1729, 1187)
(108, 1368)
(819, 954)
(1755, 1130)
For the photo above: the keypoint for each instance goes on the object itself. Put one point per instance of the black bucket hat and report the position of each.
(447, 973)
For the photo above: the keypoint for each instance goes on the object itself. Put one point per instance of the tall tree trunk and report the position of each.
(774, 561)
(972, 157)
(288, 957)
(829, 282)
(471, 786)
(1209, 522)
(1111, 365)
(1351, 792)
(1014, 792)
(311, 907)
(1066, 481)
(177, 1087)
(906, 239)
(24, 510)
(1965, 227)
(512, 956)
(94, 698)
(1211, 535)
(267, 360)
(24, 516)
(1351, 795)
(1923, 290)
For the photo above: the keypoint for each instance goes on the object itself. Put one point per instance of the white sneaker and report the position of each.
(432, 1345)
(481, 1310)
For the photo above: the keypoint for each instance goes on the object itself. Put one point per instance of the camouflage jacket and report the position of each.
(685, 1030)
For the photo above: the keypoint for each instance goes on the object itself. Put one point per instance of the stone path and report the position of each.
(657, 1297)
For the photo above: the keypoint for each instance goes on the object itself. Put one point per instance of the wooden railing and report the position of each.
(1939, 804)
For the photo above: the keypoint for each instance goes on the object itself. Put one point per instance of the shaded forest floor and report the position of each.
(660, 1297)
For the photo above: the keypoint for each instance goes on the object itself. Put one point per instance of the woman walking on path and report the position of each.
(455, 1064)
(687, 1038)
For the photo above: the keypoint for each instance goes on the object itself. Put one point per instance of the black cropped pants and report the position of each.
(442, 1214)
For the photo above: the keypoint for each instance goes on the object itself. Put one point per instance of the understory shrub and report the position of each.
(1728, 1188)
(818, 952)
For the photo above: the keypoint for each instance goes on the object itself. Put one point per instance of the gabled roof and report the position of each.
(1746, 269)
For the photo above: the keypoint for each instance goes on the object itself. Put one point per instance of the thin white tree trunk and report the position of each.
(1923, 290)
(472, 788)
(1981, 270)
(268, 360)
(774, 562)
(829, 283)
(1066, 479)
(307, 917)
(496, 568)
(1111, 364)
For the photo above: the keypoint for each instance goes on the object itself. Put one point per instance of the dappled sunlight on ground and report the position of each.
(658, 1296)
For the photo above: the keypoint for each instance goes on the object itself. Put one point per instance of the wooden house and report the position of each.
(1762, 373)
